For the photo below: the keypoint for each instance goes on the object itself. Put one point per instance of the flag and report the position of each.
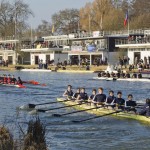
(126, 19)
(53, 29)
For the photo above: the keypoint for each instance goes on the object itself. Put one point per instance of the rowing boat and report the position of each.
(122, 79)
(36, 70)
(13, 85)
(102, 111)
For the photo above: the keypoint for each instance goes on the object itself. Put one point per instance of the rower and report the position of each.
(8, 79)
(82, 96)
(99, 98)
(127, 75)
(92, 96)
(110, 99)
(139, 75)
(5, 79)
(75, 95)
(68, 93)
(134, 75)
(108, 74)
(146, 108)
(13, 80)
(112, 74)
(119, 101)
(1, 78)
(19, 81)
(118, 74)
(130, 104)
(99, 75)
(122, 74)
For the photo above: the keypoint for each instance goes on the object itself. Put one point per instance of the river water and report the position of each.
(98, 134)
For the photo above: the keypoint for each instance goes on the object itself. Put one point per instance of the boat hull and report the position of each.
(122, 79)
(36, 70)
(13, 85)
(102, 111)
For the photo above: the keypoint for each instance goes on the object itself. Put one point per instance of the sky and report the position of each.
(44, 9)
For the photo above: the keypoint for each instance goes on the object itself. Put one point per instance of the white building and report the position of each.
(8, 50)
(137, 45)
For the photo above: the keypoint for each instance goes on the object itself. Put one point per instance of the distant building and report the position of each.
(137, 45)
(8, 51)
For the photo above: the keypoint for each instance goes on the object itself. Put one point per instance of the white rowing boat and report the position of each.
(14, 85)
(122, 79)
(36, 70)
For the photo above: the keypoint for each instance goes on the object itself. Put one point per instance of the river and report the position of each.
(62, 134)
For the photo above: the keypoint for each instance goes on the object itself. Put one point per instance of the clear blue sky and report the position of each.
(44, 9)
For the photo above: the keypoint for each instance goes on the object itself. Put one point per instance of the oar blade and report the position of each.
(31, 105)
(24, 107)
(56, 115)
(75, 121)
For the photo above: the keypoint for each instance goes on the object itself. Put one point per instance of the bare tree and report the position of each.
(13, 17)
(66, 21)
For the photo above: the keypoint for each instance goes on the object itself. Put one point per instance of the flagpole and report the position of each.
(128, 20)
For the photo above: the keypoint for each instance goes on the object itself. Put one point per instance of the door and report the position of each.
(36, 60)
(137, 57)
(10, 59)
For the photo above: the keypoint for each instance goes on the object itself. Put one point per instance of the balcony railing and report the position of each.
(138, 40)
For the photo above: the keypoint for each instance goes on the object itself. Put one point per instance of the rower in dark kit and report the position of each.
(122, 74)
(134, 75)
(130, 104)
(145, 111)
(108, 74)
(127, 75)
(83, 96)
(19, 81)
(139, 75)
(110, 99)
(13, 80)
(118, 74)
(119, 101)
(99, 98)
(92, 96)
(75, 95)
(68, 93)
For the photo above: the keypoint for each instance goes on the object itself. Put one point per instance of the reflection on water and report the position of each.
(62, 134)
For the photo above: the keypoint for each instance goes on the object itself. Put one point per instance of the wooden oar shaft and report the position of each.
(78, 121)
(41, 110)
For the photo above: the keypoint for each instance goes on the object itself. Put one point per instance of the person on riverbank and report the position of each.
(145, 111)
(68, 93)
(119, 101)
(130, 104)
(99, 98)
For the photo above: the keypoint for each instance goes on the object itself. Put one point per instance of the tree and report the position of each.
(13, 17)
(66, 21)
(44, 29)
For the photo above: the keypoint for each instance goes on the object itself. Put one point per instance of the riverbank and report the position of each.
(67, 69)
(73, 69)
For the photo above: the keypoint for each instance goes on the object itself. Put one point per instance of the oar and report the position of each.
(78, 121)
(32, 106)
(42, 110)
(59, 115)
